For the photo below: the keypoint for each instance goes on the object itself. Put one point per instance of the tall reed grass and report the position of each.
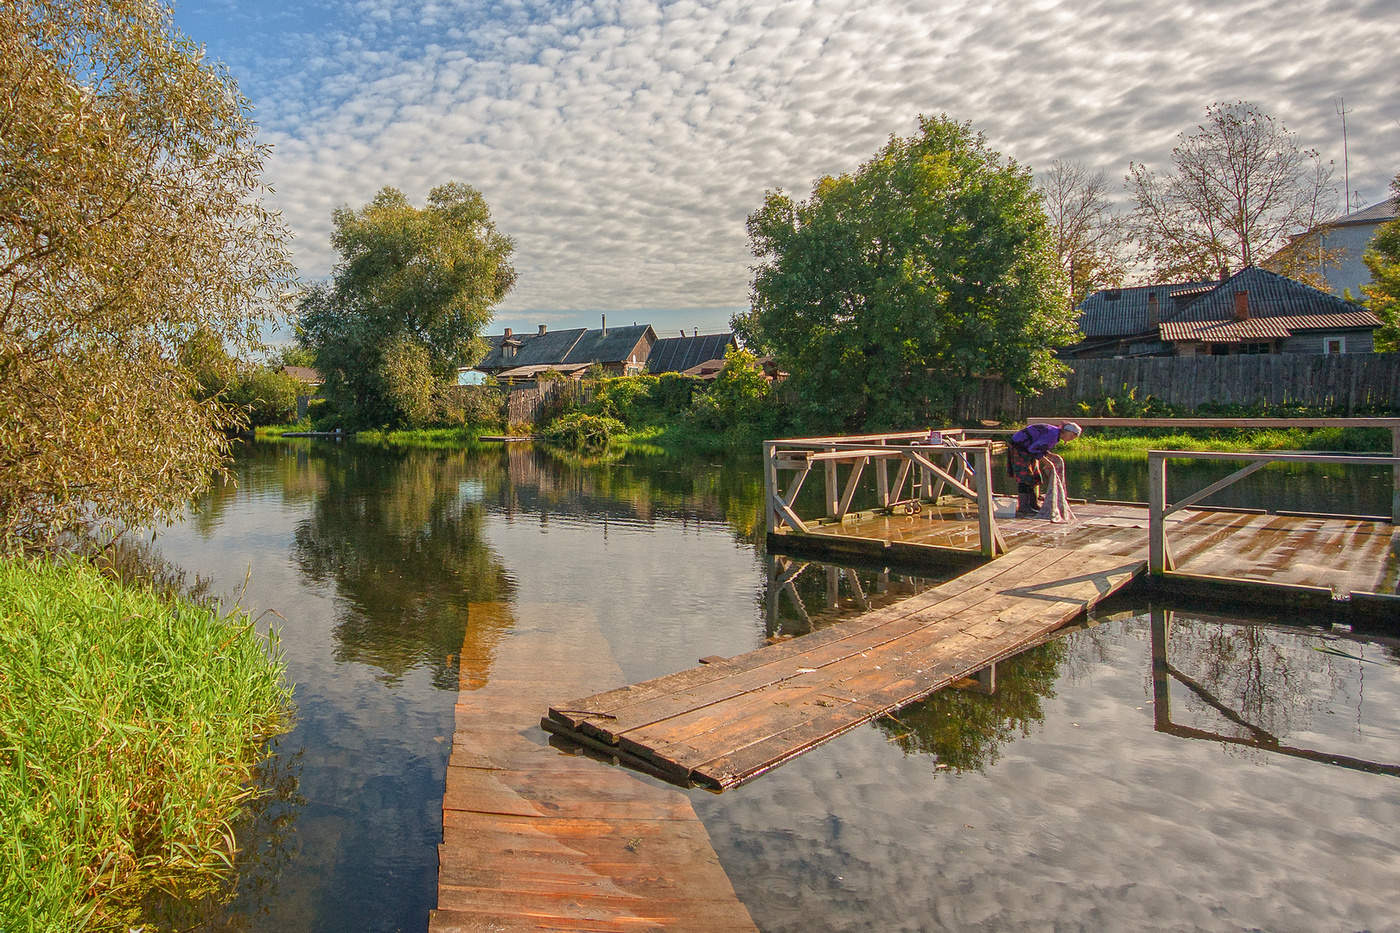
(130, 725)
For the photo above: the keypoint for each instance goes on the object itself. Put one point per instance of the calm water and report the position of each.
(1237, 789)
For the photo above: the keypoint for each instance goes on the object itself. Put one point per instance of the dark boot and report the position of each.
(1026, 504)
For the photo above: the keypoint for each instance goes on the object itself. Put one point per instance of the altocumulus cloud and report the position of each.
(623, 142)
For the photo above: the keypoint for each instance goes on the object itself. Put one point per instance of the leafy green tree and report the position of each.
(891, 287)
(1382, 258)
(405, 305)
(1240, 186)
(131, 216)
(738, 397)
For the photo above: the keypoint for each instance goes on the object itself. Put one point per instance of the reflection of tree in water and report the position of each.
(1269, 677)
(400, 535)
(292, 470)
(964, 729)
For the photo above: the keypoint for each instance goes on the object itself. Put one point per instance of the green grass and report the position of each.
(433, 438)
(130, 724)
(1123, 441)
(277, 430)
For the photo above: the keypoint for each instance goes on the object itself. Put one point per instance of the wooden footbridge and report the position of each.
(732, 719)
(537, 837)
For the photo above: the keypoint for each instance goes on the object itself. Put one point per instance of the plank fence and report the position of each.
(1346, 383)
(529, 401)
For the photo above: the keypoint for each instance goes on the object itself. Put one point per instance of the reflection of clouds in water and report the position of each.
(1094, 821)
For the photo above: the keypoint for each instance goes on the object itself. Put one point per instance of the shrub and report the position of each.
(581, 432)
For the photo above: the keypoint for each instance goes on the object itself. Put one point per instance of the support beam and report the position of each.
(1215, 487)
(986, 520)
(1158, 558)
(930, 466)
(831, 499)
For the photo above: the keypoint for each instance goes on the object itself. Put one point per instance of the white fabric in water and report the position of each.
(1055, 508)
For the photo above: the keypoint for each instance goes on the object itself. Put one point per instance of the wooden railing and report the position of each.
(953, 464)
(1159, 556)
(1389, 424)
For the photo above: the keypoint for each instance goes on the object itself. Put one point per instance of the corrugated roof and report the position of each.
(1270, 295)
(1122, 312)
(677, 354)
(611, 346)
(1266, 328)
(526, 372)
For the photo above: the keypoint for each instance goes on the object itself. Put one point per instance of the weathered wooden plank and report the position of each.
(537, 838)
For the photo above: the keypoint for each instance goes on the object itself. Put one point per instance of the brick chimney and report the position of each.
(1154, 310)
(508, 333)
(542, 330)
(1241, 306)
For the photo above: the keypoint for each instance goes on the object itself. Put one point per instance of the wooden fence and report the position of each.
(528, 401)
(1345, 383)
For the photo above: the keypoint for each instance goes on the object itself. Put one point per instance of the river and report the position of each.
(1067, 799)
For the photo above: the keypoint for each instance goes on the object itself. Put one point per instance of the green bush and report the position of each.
(457, 406)
(268, 397)
(581, 432)
(130, 725)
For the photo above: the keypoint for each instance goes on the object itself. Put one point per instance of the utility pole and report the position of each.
(1346, 161)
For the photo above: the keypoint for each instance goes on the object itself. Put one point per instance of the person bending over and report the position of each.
(1026, 458)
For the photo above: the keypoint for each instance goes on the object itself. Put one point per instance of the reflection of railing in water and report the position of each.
(1163, 672)
(880, 587)
(927, 468)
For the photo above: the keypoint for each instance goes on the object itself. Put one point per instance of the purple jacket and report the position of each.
(1036, 439)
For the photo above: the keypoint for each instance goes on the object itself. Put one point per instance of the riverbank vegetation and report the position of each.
(130, 725)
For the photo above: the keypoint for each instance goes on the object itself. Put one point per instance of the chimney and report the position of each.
(508, 333)
(1241, 306)
(1154, 310)
(605, 325)
(542, 330)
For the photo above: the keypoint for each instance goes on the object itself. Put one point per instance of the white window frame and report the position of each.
(1341, 343)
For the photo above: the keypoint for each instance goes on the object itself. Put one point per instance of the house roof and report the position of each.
(1121, 312)
(304, 374)
(1266, 328)
(533, 370)
(677, 354)
(1270, 295)
(531, 349)
(707, 369)
(607, 346)
(1377, 213)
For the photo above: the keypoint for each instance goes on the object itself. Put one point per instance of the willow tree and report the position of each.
(131, 217)
(892, 287)
(407, 301)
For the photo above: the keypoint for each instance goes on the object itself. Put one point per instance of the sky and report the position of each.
(622, 143)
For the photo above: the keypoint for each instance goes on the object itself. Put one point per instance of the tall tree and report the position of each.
(890, 287)
(1088, 236)
(1382, 258)
(131, 217)
(407, 301)
(1240, 185)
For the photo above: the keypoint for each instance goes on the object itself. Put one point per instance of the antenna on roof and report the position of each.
(1346, 161)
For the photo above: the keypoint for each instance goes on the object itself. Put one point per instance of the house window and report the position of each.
(1255, 348)
(1220, 349)
(1334, 345)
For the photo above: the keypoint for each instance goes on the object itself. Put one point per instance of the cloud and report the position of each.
(622, 142)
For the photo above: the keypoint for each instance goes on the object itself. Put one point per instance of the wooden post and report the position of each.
(1395, 477)
(1157, 560)
(770, 485)
(986, 504)
(833, 489)
(882, 480)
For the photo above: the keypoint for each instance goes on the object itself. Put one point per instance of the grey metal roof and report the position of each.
(1122, 312)
(677, 354)
(1270, 295)
(534, 349)
(611, 346)
(1377, 213)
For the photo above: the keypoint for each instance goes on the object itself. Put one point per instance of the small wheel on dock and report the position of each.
(916, 508)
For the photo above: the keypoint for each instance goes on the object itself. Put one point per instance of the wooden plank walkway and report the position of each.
(538, 838)
(731, 720)
(1345, 555)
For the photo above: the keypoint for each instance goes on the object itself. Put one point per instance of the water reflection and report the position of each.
(400, 537)
(1252, 685)
(804, 595)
